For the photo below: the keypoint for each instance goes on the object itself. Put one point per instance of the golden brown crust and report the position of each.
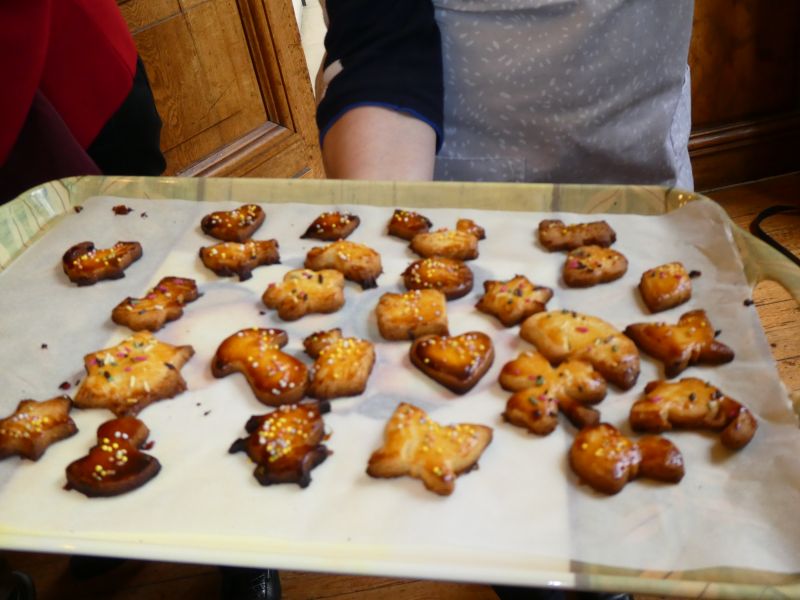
(555, 235)
(275, 377)
(161, 304)
(451, 277)
(514, 300)
(342, 366)
(589, 265)
(693, 404)
(285, 444)
(412, 315)
(86, 265)
(304, 291)
(665, 286)
(565, 334)
(115, 465)
(405, 224)
(690, 342)
(417, 446)
(235, 225)
(539, 390)
(457, 362)
(445, 243)
(470, 226)
(131, 375)
(34, 426)
(606, 460)
(332, 226)
(239, 258)
(357, 262)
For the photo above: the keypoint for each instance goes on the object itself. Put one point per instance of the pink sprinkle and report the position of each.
(139, 358)
(128, 369)
(542, 398)
(655, 399)
(582, 329)
(678, 276)
(150, 296)
(92, 361)
(573, 264)
(121, 355)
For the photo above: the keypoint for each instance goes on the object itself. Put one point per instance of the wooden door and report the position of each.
(231, 84)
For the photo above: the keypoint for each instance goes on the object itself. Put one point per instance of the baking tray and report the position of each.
(24, 220)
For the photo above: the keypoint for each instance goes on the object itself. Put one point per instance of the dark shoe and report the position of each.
(85, 567)
(250, 584)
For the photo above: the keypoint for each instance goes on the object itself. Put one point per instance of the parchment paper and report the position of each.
(523, 505)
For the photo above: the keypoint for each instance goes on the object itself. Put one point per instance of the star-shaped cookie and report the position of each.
(419, 447)
(34, 426)
(514, 300)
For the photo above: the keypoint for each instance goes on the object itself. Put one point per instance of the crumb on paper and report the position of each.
(694, 273)
(121, 209)
(208, 412)
(143, 215)
(77, 208)
(748, 302)
(149, 445)
(43, 346)
(65, 385)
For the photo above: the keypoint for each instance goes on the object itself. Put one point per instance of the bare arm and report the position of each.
(371, 142)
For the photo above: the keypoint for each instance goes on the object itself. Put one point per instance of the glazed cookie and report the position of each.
(457, 362)
(539, 390)
(690, 342)
(304, 291)
(286, 444)
(445, 243)
(116, 465)
(161, 304)
(470, 226)
(357, 262)
(693, 404)
(589, 265)
(275, 377)
(34, 426)
(405, 224)
(411, 315)
(555, 235)
(341, 366)
(235, 225)
(332, 226)
(86, 265)
(665, 286)
(605, 459)
(417, 446)
(133, 374)
(565, 334)
(514, 300)
(240, 258)
(451, 277)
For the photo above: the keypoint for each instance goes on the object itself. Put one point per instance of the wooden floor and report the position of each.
(780, 316)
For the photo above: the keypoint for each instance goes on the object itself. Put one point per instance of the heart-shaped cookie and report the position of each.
(457, 362)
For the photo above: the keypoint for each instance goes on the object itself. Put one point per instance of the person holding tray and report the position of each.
(550, 91)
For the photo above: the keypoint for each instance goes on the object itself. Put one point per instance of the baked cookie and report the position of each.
(161, 304)
(30, 430)
(589, 265)
(405, 224)
(116, 465)
(693, 404)
(341, 366)
(131, 375)
(332, 226)
(605, 459)
(540, 390)
(445, 243)
(286, 444)
(86, 265)
(304, 291)
(239, 258)
(457, 362)
(514, 300)
(411, 315)
(417, 446)
(451, 277)
(665, 286)
(275, 377)
(555, 235)
(235, 225)
(690, 342)
(564, 334)
(357, 262)
(470, 226)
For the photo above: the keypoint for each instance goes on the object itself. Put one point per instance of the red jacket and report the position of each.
(78, 53)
